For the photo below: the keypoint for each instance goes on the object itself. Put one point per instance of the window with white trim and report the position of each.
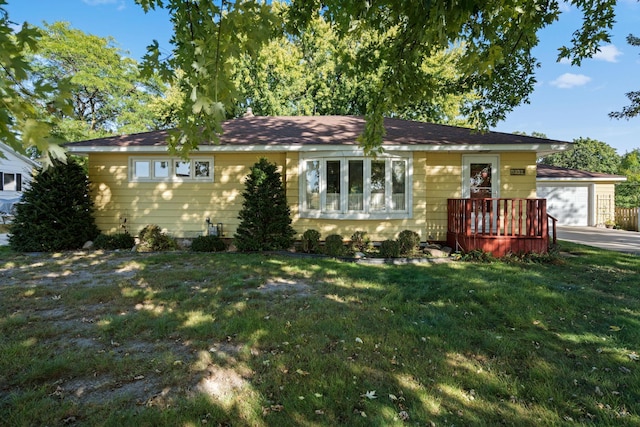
(150, 169)
(10, 181)
(355, 187)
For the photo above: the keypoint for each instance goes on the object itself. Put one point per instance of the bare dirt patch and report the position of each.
(286, 287)
(42, 282)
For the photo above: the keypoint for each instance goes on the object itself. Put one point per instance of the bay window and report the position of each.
(355, 187)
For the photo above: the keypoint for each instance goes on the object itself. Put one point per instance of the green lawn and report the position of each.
(184, 339)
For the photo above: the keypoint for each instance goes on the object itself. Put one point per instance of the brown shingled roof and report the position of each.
(548, 171)
(331, 130)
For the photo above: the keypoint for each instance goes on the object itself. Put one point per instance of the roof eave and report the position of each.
(485, 148)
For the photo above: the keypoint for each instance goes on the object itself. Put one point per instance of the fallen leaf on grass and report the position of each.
(393, 397)
(624, 370)
(613, 328)
(633, 356)
(301, 372)
(359, 340)
(370, 394)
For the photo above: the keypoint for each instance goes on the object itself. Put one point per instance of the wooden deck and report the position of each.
(500, 226)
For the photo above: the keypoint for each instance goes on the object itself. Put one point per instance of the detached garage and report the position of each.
(577, 197)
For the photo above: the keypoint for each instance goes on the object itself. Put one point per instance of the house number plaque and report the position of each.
(517, 171)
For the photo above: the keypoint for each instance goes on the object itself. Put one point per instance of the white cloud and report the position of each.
(569, 80)
(608, 53)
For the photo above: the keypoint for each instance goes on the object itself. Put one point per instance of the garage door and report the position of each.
(568, 203)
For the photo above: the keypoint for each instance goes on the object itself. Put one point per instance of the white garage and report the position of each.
(577, 197)
(568, 203)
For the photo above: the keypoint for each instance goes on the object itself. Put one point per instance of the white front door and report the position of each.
(480, 176)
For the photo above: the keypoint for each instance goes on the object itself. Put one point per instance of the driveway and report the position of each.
(604, 238)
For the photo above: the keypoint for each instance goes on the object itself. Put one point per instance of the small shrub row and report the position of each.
(114, 241)
(405, 245)
(208, 244)
(334, 243)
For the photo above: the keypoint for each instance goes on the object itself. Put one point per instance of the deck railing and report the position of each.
(499, 225)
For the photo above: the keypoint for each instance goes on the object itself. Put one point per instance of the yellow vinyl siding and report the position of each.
(179, 208)
(605, 202)
(518, 186)
(443, 181)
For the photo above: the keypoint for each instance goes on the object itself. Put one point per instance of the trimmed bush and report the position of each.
(208, 244)
(310, 241)
(408, 241)
(334, 246)
(114, 241)
(360, 241)
(56, 211)
(390, 249)
(265, 218)
(152, 239)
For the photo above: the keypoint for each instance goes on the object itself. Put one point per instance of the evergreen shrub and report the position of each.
(56, 212)
(390, 249)
(265, 218)
(334, 246)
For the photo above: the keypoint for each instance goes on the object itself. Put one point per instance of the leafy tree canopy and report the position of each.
(106, 91)
(496, 63)
(633, 109)
(21, 124)
(588, 155)
(314, 73)
(628, 192)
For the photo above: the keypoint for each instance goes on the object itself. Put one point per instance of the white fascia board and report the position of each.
(581, 180)
(485, 148)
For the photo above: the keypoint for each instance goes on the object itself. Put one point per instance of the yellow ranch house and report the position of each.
(448, 184)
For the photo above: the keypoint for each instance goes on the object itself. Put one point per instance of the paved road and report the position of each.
(604, 238)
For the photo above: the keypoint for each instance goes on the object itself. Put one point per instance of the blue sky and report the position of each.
(568, 102)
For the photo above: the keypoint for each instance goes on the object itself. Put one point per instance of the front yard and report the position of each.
(119, 338)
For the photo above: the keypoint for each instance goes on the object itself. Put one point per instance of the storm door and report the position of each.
(481, 180)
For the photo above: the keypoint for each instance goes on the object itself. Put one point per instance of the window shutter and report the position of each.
(1, 181)
(18, 182)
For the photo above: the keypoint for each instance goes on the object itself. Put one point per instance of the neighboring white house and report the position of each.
(15, 176)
